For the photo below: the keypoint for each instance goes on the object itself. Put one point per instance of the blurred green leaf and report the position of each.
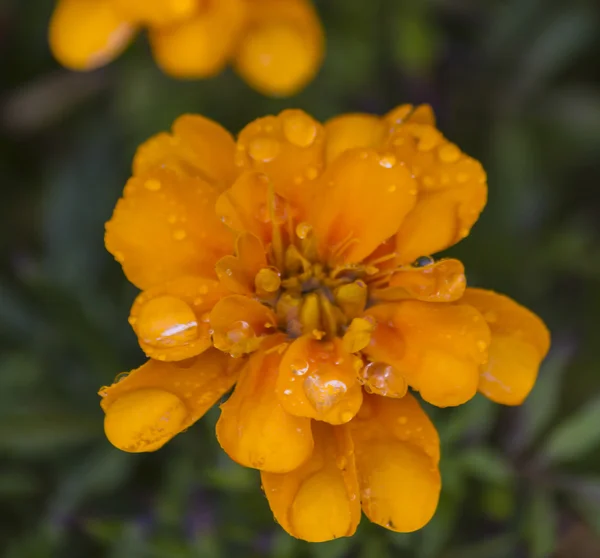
(541, 524)
(486, 465)
(575, 436)
(500, 546)
(435, 536)
(471, 420)
(332, 549)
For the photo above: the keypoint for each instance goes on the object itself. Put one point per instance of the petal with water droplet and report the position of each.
(254, 429)
(520, 341)
(160, 399)
(318, 501)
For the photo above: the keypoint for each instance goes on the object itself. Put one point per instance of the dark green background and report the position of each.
(516, 83)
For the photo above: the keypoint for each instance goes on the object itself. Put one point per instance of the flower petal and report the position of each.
(199, 46)
(254, 429)
(438, 348)
(441, 281)
(397, 452)
(164, 226)
(520, 341)
(318, 501)
(289, 148)
(237, 273)
(352, 130)
(155, 402)
(317, 379)
(421, 114)
(282, 46)
(361, 200)
(87, 34)
(452, 190)
(155, 12)
(197, 146)
(171, 320)
(239, 324)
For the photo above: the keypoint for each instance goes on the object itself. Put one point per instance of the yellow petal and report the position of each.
(361, 200)
(164, 227)
(397, 451)
(281, 48)
(319, 500)
(352, 130)
(171, 320)
(441, 281)
(520, 341)
(452, 190)
(87, 34)
(155, 12)
(237, 273)
(317, 379)
(239, 324)
(288, 148)
(155, 402)
(201, 45)
(197, 147)
(254, 429)
(438, 348)
(422, 114)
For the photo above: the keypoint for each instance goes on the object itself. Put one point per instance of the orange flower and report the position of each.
(287, 264)
(275, 45)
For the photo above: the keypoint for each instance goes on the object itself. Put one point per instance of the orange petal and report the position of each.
(171, 320)
(237, 273)
(254, 429)
(421, 114)
(289, 148)
(87, 34)
(155, 12)
(155, 402)
(362, 198)
(520, 341)
(441, 281)
(438, 348)
(239, 324)
(352, 130)
(164, 226)
(397, 452)
(201, 45)
(318, 501)
(452, 190)
(197, 146)
(317, 379)
(281, 48)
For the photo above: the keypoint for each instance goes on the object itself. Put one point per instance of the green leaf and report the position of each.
(473, 420)
(486, 465)
(575, 436)
(501, 546)
(332, 549)
(541, 524)
(434, 537)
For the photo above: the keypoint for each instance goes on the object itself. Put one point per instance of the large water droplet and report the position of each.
(240, 331)
(166, 321)
(323, 393)
(299, 367)
(299, 129)
(264, 149)
(383, 379)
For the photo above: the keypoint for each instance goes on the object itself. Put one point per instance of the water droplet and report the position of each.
(303, 230)
(239, 331)
(287, 392)
(392, 188)
(299, 367)
(166, 321)
(152, 185)
(120, 377)
(226, 220)
(387, 160)
(179, 234)
(423, 261)
(346, 417)
(402, 420)
(264, 149)
(383, 379)
(323, 394)
(299, 129)
(449, 153)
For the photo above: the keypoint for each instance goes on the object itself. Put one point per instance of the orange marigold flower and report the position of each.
(275, 45)
(295, 264)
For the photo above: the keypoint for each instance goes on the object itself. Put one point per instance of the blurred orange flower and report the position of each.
(275, 45)
(291, 264)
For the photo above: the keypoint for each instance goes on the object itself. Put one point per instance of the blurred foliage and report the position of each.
(516, 83)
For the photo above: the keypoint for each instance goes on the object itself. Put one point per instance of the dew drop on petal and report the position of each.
(299, 129)
(402, 420)
(312, 173)
(387, 160)
(240, 331)
(383, 379)
(449, 153)
(152, 185)
(264, 149)
(166, 321)
(303, 230)
(299, 367)
(179, 234)
(323, 394)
